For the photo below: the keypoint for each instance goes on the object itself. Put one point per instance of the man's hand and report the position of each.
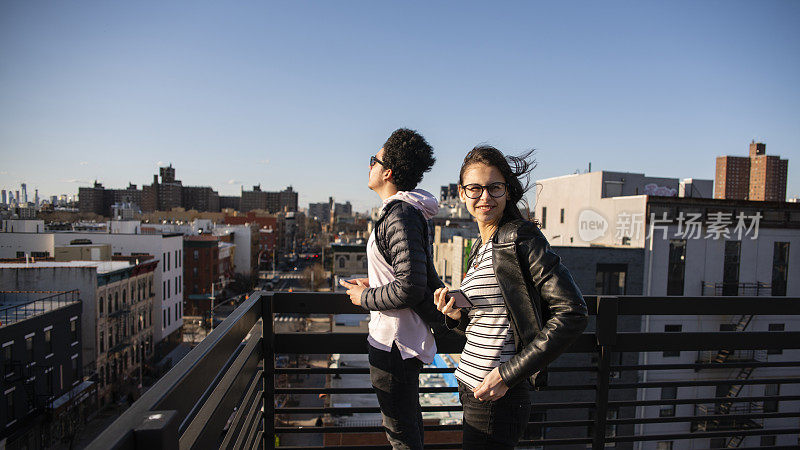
(354, 290)
(363, 281)
(492, 387)
(445, 305)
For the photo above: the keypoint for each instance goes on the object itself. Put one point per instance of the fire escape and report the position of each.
(17, 372)
(726, 406)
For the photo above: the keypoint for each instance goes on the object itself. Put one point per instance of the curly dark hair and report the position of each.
(409, 156)
(515, 170)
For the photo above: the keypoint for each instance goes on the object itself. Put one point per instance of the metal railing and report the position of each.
(45, 301)
(221, 395)
(709, 356)
(735, 288)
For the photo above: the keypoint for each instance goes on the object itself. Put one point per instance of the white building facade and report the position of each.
(164, 247)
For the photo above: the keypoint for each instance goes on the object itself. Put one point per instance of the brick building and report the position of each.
(267, 233)
(758, 176)
(272, 202)
(208, 265)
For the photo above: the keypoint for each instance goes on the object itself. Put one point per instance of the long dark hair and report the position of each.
(516, 172)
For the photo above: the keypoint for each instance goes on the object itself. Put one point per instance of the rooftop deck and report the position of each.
(222, 395)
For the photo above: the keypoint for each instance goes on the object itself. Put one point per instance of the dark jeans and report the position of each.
(396, 383)
(496, 424)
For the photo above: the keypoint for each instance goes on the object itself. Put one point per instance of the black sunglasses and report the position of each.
(373, 160)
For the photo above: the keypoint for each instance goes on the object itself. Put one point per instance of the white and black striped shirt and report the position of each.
(490, 340)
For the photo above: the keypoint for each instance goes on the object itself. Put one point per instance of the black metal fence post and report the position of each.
(268, 396)
(606, 337)
(159, 429)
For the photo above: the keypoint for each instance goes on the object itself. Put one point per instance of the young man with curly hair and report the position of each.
(399, 290)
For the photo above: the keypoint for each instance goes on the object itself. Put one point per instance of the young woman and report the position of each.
(526, 308)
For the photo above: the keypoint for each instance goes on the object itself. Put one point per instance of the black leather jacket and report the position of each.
(401, 235)
(545, 306)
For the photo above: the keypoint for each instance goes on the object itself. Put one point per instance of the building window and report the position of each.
(124, 297)
(768, 441)
(48, 341)
(102, 342)
(196, 255)
(544, 217)
(717, 443)
(664, 445)
(29, 348)
(672, 329)
(164, 319)
(780, 268)
(10, 413)
(730, 270)
(168, 261)
(611, 430)
(562, 215)
(100, 304)
(341, 263)
(74, 365)
(73, 329)
(771, 390)
(8, 357)
(668, 393)
(116, 301)
(677, 266)
(776, 327)
(610, 279)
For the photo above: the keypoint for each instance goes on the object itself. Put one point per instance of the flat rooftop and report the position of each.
(16, 306)
(101, 266)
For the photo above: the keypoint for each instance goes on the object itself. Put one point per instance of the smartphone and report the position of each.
(462, 301)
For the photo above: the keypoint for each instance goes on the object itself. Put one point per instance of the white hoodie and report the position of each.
(401, 326)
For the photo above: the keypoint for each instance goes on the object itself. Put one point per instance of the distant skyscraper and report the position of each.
(36, 197)
(16, 196)
(4, 197)
(24, 194)
(756, 177)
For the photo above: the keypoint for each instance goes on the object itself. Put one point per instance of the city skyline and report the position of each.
(303, 94)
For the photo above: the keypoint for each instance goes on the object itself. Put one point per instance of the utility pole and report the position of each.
(211, 311)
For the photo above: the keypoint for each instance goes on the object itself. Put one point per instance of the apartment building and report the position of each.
(42, 380)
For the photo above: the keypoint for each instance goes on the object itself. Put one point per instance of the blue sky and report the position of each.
(301, 93)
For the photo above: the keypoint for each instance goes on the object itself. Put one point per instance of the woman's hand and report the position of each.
(445, 305)
(492, 387)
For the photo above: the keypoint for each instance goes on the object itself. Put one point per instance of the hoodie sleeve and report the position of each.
(406, 247)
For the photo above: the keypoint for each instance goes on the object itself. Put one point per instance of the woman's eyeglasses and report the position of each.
(373, 160)
(476, 190)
